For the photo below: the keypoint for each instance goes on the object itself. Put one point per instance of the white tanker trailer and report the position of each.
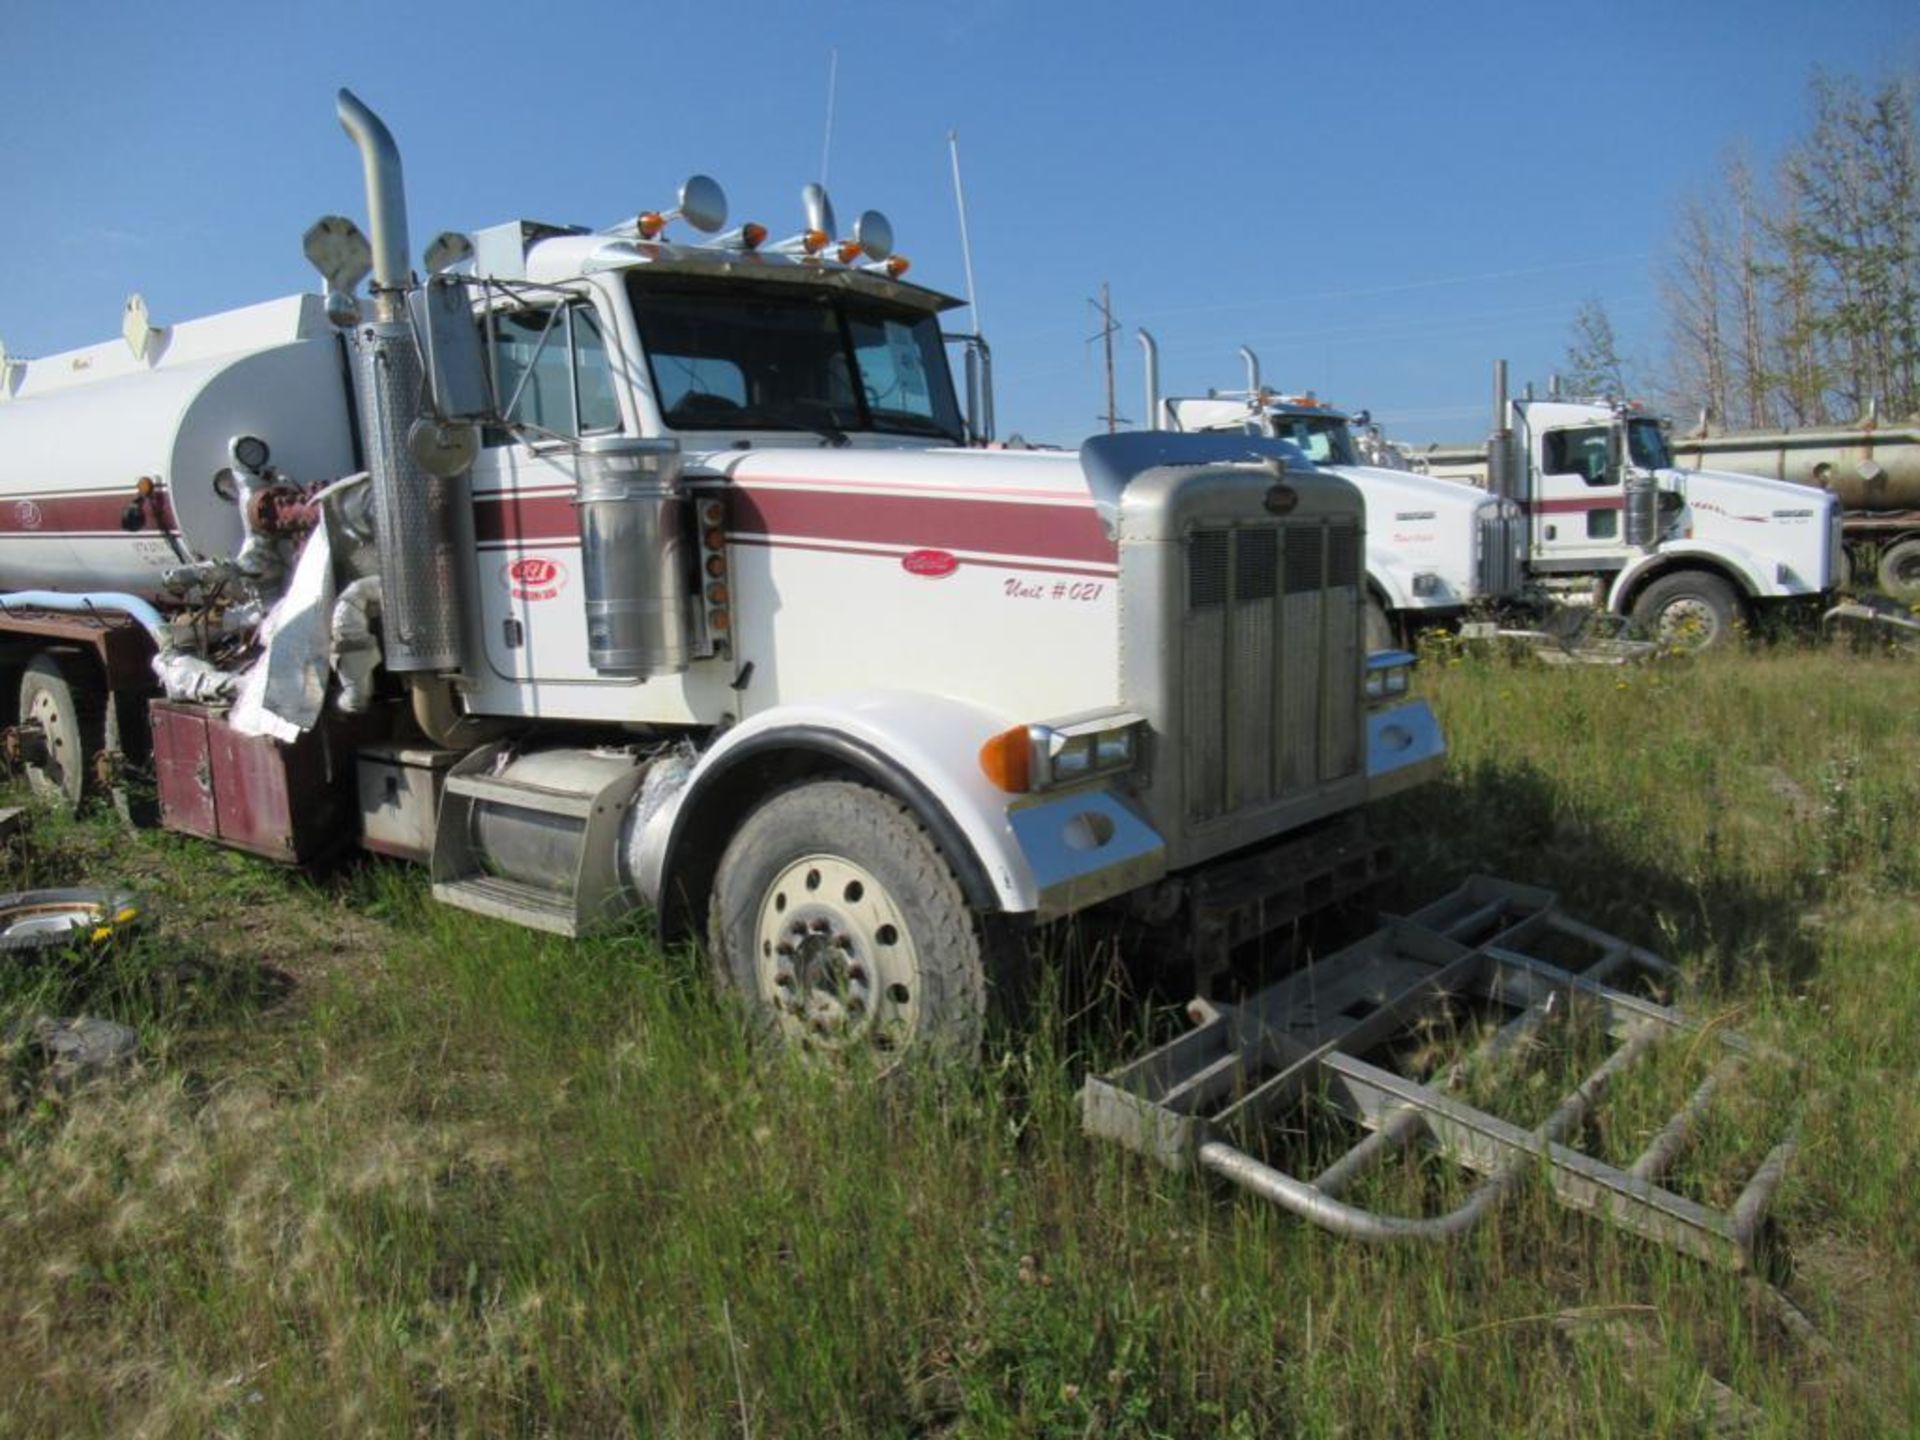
(110, 463)
(603, 569)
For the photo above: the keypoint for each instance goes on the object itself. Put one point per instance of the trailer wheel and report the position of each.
(56, 697)
(1689, 610)
(1900, 570)
(844, 931)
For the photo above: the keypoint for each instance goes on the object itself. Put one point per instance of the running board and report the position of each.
(1198, 1101)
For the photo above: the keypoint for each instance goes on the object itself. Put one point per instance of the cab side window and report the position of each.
(1578, 452)
(552, 373)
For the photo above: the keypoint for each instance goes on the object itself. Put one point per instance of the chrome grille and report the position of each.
(1499, 551)
(1270, 667)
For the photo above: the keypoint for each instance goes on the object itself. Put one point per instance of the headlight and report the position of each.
(1389, 674)
(1043, 757)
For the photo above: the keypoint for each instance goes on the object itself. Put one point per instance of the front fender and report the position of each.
(1743, 565)
(1382, 578)
(925, 749)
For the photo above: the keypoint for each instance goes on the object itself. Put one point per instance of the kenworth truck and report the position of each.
(1872, 469)
(1689, 554)
(1434, 546)
(604, 569)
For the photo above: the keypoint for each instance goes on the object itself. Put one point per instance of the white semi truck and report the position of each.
(602, 569)
(1435, 547)
(1689, 554)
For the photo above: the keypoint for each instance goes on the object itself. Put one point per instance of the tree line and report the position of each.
(1793, 297)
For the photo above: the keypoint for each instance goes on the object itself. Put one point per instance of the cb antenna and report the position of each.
(966, 247)
(826, 145)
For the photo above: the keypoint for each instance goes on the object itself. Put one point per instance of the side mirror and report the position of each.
(449, 341)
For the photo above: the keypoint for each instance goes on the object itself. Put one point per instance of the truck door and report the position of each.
(1578, 498)
(554, 383)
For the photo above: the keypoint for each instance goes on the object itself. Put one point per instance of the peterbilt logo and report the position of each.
(930, 564)
(534, 577)
(28, 514)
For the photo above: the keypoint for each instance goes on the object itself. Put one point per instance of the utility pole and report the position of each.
(1107, 328)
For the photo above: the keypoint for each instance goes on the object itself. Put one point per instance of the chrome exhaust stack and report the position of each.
(1253, 373)
(386, 203)
(419, 566)
(1500, 442)
(1152, 349)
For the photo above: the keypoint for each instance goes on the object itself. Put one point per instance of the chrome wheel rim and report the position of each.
(836, 963)
(1689, 622)
(51, 776)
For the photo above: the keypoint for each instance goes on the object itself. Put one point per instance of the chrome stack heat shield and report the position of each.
(420, 592)
(419, 565)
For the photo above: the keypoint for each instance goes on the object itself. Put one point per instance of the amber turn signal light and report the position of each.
(1007, 760)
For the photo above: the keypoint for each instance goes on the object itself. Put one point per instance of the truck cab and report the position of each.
(1690, 554)
(676, 578)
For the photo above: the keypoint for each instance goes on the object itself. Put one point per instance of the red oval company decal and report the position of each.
(28, 514)
(534, 577)
(931, 564)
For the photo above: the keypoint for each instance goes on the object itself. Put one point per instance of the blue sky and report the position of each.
(1379, 198)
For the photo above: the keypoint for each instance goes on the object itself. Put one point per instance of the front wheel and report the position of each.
(844, 930)
(1689, 610)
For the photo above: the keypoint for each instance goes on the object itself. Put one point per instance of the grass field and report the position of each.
(392, 1169)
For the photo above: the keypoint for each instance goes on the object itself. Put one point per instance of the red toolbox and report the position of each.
(248, 791)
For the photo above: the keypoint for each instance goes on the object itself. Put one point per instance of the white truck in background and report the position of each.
(1689, 554)
(1871, 468)
(1435, 547)
(602, 570)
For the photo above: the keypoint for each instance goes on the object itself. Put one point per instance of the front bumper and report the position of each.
(1404, 748)
(1086, 846)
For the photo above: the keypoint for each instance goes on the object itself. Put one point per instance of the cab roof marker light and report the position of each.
(703, 205)
(893, 267)
(748, 237)
(807, 242)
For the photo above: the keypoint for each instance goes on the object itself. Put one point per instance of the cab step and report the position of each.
(534, 837)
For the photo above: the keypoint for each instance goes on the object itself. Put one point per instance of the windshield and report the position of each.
(1647, 445)
(1325, 438)
(742, 357)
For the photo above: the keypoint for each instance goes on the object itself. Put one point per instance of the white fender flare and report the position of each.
(1744, 567)
(926, 746)
(1379, 578)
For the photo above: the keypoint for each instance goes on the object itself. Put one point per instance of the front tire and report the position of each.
(1689, 610)
(844, 931)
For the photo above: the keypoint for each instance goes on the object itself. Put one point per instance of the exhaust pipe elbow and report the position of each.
(386, 194)
(1152, 350)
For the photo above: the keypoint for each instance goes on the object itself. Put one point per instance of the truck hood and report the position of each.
(1405, 490)
(1041, 475)
(1749, 499)
(1790, 532)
